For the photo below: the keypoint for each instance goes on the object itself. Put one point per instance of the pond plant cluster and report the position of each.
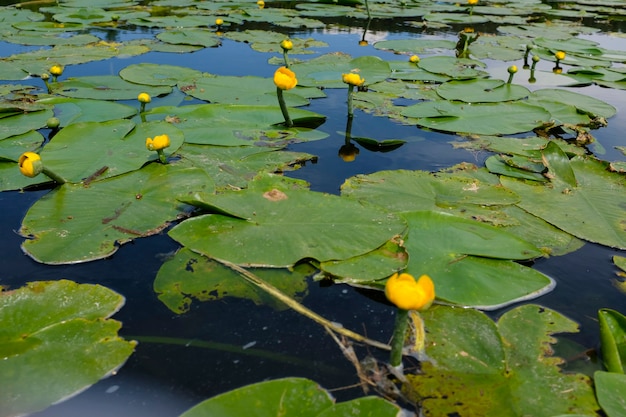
(160, 148)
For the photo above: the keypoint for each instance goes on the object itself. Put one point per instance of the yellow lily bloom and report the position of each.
(472, 2)
(219, 22)
(287, 44)
(512, 69)
(260, 3)
(285, 79)
(353, 79)
(56, 70)
(560, 55)
(144, 98)
(30, 164)
(414, 59)
(408, 294)
(158, 143)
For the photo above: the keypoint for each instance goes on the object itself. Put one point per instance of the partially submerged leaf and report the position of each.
(613, 339)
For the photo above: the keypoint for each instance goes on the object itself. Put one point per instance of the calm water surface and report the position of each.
(164, 379)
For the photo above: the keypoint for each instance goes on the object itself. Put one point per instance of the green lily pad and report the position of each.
(481, 91)
(613, 338)
(66, 227)
(52, 350)
(105, 87)
(269, 41)
(116, 147)
(24, 37)
(457, 68)
(14, 124)
(248, 90)
(482, 119)
(190, 276)
(234, 125)
(157, 74)
(71, 110)
(236, 166)
(510, 360)
(289, 397)
(198, 37)
(285, 227)
(610, 388)
(594, 207)
(415, 46)
(326, 70)
(469, 261)
(591, 106)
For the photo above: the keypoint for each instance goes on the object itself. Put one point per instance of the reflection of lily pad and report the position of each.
(56, 341)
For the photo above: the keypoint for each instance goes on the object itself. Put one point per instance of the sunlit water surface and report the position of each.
(163, 379)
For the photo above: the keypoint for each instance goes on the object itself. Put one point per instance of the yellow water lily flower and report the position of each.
(56, 70)
(158, 143)
(260, 3)
(219, 22)
(512, 69)
(287, 44)
(560, 55)
(353, 79)
(285, 79)
(30, 164)
(414, 59)
(408, 294)
(472, 2)
(144, 98)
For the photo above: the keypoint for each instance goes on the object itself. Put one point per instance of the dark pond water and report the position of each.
(225, 344)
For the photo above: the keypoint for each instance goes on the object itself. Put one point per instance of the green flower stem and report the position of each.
(510, 80)
(162, 156)
(286, 58)
(350, 94)
(283, 107)
(48, 86)
(56, 178)
(142, 107)
(399, 335)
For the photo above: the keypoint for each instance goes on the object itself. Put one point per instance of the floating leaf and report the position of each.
(482, 119)
(326, 70)
(277, 229)
(234, 125)
(509, 360)
(81, 150)
(157, 74)
(199, 37)
(457, 68)
(56, 340)
(469, 261)
(594, 209)
(105, 87)
(586, 104)
(19, 123)
(481, 91)
(71, 110)
(289, 397)
(65, 226)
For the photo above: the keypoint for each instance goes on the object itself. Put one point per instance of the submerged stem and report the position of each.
(350, 94)
(290, 302)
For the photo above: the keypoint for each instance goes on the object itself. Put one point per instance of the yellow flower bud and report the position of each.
(560, 55)
(30, 164)
(414, 59)
(287, 45)
(472, 2)
(219, 22)
(353, 79)
(260, 3)
(158, 143)
(408, 294)
(285, 79)
(56, 70)
(144, 98)
(512, 69)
